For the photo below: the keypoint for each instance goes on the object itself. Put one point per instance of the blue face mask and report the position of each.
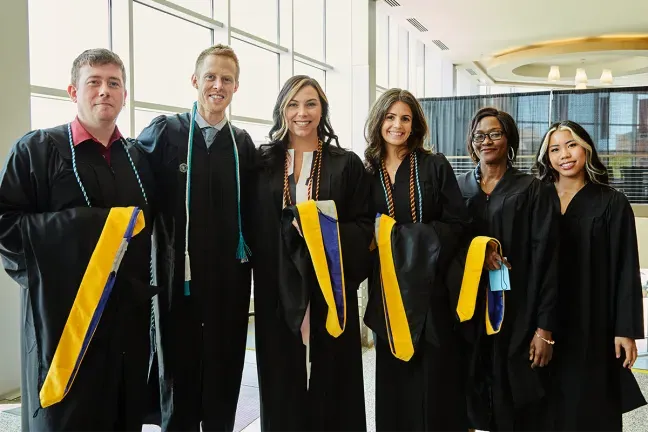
(499, 279)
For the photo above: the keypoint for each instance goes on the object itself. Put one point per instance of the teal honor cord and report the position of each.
(242, 251)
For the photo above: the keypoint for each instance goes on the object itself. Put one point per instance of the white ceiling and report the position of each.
(475, 31)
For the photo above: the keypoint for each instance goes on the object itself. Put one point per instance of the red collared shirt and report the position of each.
(80, 134)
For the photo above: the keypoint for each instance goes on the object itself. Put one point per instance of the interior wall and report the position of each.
(14, 122)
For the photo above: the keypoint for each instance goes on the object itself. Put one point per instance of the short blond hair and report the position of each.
(218, 50)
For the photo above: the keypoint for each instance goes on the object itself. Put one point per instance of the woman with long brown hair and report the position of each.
(312, 231)
(419, 231)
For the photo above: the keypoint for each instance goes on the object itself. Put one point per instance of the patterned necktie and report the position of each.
(209, 133)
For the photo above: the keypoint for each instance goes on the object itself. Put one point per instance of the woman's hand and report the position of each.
(492, 258)
(540, 348)
(630, 348)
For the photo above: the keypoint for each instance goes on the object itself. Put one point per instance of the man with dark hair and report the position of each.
(202, 167)
(74, 234)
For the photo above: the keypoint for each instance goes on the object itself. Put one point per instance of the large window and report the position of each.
(257, 17)
(56, 39)
(258, 131)
(203, 7)
(159, 44)
(47, 112)
(258, 82)
(309, 28)
(165, 52)
(313, 72)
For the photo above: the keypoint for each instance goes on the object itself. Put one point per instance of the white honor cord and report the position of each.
(187, 269)
(308, 365)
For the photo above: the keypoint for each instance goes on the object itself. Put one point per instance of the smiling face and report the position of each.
(99, 93)
(397, 125)
(489, 141)
(566, 155)
(216, 83)
(304, 112)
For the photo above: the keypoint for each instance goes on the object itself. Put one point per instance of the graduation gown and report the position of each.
(201, 337)
(600, 298)
(425, 392)
(504, 393)
(47, 237)
(334, 399)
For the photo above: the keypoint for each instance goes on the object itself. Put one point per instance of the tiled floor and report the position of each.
(642, 363)
(248, 411)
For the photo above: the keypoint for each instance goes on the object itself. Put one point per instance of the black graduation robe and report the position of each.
(47, 236)
(335, 397)
(202, 336)
(426, 392)
(504, 393)
(600, 298)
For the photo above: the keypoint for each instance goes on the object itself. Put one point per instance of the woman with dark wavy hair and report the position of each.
(312, 231)
(600, 305)
(420, 228)
(507, 381)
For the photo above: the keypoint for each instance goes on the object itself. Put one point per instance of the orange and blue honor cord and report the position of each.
(413, 181)
(242, 250)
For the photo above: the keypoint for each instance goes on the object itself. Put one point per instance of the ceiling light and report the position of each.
(581, 76)
(606, 77)
(554, 74)
(581, 86)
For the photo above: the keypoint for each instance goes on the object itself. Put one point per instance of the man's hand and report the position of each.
(540, 351)
(492, 258)
(630, 348)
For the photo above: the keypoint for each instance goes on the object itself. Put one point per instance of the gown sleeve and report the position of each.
(356, 221)
(452, 226)
(18, 183)
(30, 236)
(153, 142)
(452, 229)
(544, 236)
(625, 269)
(28, 233)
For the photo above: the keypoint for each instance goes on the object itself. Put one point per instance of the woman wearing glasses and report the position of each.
(506, 388)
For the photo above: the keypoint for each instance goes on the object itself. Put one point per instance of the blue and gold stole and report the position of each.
(121, 225)
(319, 225)
(397, 324)
(408, 256)
(470, 286)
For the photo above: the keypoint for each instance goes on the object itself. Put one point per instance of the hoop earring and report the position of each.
(474, 156)
(511, 156)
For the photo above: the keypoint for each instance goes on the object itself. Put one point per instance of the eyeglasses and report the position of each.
(494, 136)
